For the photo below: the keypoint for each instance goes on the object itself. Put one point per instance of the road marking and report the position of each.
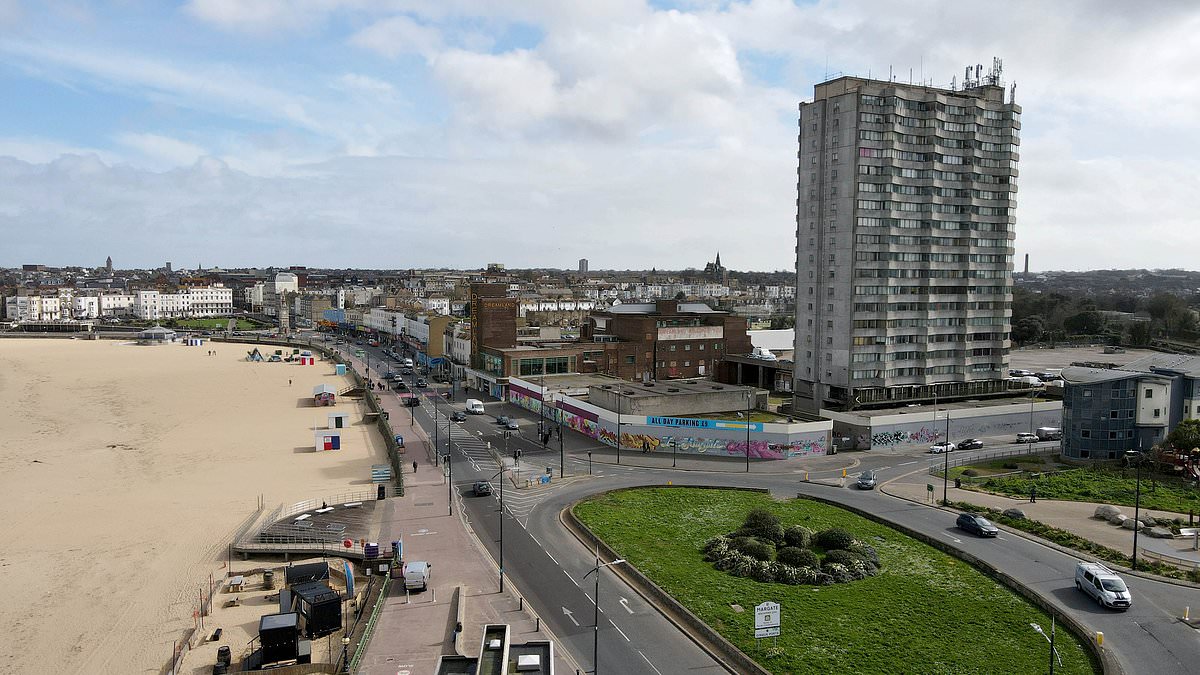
(650, 664)
(552, 558)
(569, 616)
(620, 631)
(625, 604)
(907, 463)
(956, 539)
(569, 576)
(539, 544)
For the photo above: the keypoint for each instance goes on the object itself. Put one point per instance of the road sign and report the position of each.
(766, 620)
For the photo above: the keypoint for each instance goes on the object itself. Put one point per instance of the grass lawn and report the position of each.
(1105, 486)
(1034, 463)
(926, 612)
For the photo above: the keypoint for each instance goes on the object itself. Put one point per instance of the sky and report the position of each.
(454, 133)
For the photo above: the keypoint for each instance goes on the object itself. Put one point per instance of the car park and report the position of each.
(944, 446)
(458, 416)
(969, 444)
(1103, 584)
(482, 488)
(867, 480)
(1025, 437)
(977, 525)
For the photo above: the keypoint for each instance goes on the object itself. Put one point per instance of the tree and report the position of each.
(1139, 334)
(680, 295)
(1185, 435)
(1088, 322)
(1028, 330)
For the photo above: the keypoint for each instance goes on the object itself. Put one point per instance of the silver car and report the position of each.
(866, 480)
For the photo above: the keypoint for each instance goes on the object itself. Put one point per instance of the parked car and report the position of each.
(458, 416)
(1026, 437)
(969, 444)
(944, 446)
(976, 525)
(1019, 372)
(411, 402)
(866, 480)
(1103, 585)
(482, 488)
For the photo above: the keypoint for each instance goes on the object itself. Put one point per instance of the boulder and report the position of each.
(1160, 533)
(1131, 524)
(1149, 521)
(1016, 514)
(1104, 511)
(1117, 518)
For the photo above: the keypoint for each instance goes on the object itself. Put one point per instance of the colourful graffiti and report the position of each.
(803, 448)
(889, 438)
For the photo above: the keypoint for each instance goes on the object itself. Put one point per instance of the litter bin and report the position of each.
(957, 482)
(382, 493)
(269, 579)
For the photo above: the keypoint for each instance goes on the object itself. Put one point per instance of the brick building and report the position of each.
(666, 339)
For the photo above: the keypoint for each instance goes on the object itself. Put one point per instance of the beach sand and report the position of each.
(126, 469)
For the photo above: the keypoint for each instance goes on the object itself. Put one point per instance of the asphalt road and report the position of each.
(549, 566)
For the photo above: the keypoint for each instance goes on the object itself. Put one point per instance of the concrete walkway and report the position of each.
(1074, 517)
(413, 630)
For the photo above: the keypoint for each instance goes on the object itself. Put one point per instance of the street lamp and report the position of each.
(345, 654)
(674, 444)
(619, 388)
(1049, 638)
(1138, 457)
(558, 413)
(749, 398)
(450, 481)
(501, 477)
(946, 452)
(596, 610)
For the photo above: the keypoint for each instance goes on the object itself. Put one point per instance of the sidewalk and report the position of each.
(1074, 517)
(413, 630)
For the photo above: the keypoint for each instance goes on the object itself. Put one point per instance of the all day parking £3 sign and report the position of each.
(766, 620)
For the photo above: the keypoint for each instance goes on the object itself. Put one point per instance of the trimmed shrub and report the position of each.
(840, 557)
(763, 524)
(764, 572)
(837, 571)
(865, 552)
(834, 538)
(798, 536)
(797, 557)
(970, 473)
(758, 550)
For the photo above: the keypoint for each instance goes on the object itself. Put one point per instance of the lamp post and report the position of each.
(501, 477)
(1137, 501)
(749, 398)
(596, 611)
(1032, 400)
(1049, 638)
(946, 468)
(345, 653)
(449, 483)
(674, 444)
(435, 428)
(558, 413)
(619, 387)
(542, 406)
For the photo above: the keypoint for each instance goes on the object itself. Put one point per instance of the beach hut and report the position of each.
(324, 394)
(328, 439)
(338, 420)
(156, 336)
(339, 369)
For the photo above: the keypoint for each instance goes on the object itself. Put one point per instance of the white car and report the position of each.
(1103, 585)
(944, 446)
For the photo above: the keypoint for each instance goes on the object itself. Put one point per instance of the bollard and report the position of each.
(406, 598)
(433, 596)
(521, 604)
(1099, 638)
(805, 476)
(843, 473)
(538, 625)
(1187, 611)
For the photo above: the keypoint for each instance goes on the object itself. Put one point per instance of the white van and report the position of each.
(1049, 434)
(1103, 584)
(416, 575)
(408, 363)
(474, 406)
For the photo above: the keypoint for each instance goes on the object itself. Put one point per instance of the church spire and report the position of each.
(718, 258)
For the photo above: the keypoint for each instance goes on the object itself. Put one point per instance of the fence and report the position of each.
(1182, 563)
(370, 627)
(1033, 449)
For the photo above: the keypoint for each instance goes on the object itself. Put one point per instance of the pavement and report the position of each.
(414, 629)
(1074, 517)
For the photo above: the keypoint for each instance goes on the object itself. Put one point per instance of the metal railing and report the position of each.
(1182, 563)
(370, 627)
(336, 499)
(1031, 449)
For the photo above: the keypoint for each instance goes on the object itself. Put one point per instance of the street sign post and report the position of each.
(766, 620)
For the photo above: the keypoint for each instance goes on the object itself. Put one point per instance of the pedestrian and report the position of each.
(1033, 494)
(289, 383)
(414, 467)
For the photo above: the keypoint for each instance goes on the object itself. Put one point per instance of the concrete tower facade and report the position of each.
(905, 221)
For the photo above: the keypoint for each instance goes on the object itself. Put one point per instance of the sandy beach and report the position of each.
(124, 472)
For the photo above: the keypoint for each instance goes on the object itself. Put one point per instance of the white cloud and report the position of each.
(162, 150)
(502, 91)
(398, 35)
(365, 83)
(42, 150)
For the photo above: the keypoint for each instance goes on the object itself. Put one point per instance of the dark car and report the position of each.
(867, 480)
(411, 402)
(482, 488)
(503, 419)
(458, 416)
(399, 385)
(422, 382)
(511, 425)
(970, 444)
(977, 525)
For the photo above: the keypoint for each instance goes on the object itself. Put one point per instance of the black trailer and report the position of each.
(320, 608)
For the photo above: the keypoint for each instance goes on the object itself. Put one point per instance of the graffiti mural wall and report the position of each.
(1013, 420)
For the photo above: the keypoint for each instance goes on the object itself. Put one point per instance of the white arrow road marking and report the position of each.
(956, 539)
(625, 604)
(906, 463)
(569, 616)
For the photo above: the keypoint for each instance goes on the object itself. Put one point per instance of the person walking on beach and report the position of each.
(1033, 494)
(289, 383)
(414, 467)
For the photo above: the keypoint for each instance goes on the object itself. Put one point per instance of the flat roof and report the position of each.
(948, 405)
(674, 388)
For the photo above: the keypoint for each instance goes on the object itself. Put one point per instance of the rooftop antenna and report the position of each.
(952, 83)
(1012, 93)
